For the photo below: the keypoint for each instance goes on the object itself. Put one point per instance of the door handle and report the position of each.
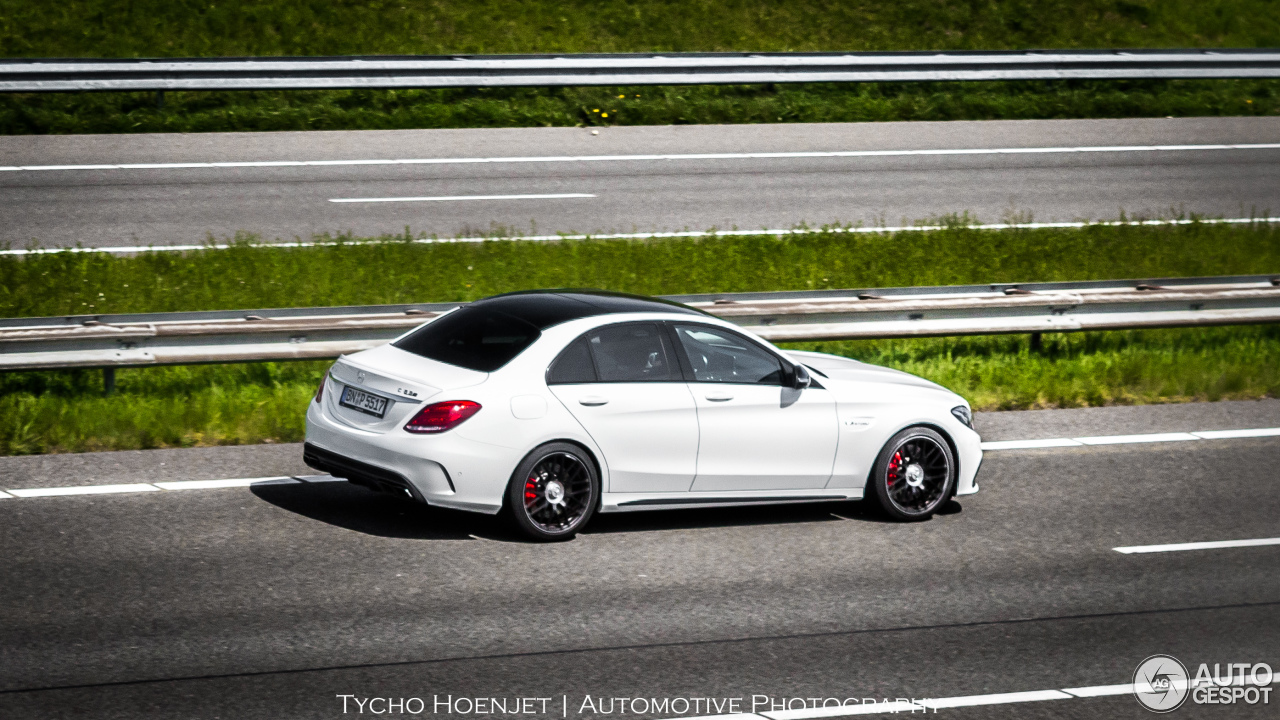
(592, 400)
(719, 396)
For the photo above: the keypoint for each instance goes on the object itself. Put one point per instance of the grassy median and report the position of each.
(164, 407)
(182, 28)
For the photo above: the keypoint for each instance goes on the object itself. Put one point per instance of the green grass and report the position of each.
(158, 28)
(181, 28)
(398, 270)
(229, 405)
(568, 107)
(165, 407)
(1087, 369)
(155, 407)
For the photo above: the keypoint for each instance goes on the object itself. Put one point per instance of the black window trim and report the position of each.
(665, 334)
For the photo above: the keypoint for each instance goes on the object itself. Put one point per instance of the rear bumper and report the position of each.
(444, 470)
(359, 473)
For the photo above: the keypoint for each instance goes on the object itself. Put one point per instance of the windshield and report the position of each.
(473, 337)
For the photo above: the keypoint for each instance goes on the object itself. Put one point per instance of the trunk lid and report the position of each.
(404, 381)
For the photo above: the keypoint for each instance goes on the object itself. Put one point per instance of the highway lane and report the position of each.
(625, 194)
(271, 601)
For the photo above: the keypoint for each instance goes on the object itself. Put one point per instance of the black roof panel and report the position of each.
(544, 308)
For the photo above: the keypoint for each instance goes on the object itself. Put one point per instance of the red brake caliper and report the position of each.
(895, 465)
(530, 491)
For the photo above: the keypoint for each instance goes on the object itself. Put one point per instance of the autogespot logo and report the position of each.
(1161, 683)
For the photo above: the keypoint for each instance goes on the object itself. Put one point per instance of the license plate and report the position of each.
(367, 403)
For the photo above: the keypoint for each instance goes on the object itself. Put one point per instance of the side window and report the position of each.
(634, 352)
(573, 366)
(719, 356)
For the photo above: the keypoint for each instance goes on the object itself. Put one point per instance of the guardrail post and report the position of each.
(1036, 345)
(108, 380)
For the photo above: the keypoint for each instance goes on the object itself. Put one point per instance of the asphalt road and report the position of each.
(125, 207)
(271, 602)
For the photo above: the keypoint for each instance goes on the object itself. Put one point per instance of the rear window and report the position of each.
(474, 337)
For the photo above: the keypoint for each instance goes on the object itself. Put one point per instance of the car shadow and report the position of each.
(734, 516)
(355, 508)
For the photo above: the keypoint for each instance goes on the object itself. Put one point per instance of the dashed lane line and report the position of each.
(446, 198)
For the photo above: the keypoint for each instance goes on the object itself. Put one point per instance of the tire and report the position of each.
(914, 475)
(554, 492)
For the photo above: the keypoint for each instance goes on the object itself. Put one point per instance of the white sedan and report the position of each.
(555, 405)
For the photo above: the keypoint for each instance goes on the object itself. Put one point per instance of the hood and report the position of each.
(843, 368)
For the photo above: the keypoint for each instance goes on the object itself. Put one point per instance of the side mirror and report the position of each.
(800, 377)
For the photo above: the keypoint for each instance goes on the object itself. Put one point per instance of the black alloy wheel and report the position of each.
(914, 474)
(553, 492)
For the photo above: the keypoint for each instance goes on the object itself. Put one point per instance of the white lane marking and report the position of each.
(444, 198)
(1216, 545)
(1130, 439)
(84, 490)
(318, 479)
(935, 704)
(1099, 690)
(996, 699)
(1234, 434)
(656, 235)
(171, 486)
(1029, 444)
(229, 483)
(986, 446)
(655, 157)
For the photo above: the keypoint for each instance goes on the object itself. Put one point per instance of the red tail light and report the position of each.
(320, 390)
(441, 416)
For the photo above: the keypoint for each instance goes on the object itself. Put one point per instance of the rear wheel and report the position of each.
(914, 474)
(553, 492)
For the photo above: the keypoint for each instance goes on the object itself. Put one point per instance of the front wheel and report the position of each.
(553, 492)
(914, 474)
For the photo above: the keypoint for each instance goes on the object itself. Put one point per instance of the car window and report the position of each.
(634, 352)
(475, 337)
(720, 356)
(573, 365)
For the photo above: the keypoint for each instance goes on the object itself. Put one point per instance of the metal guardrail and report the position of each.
(315, 73)
(110, 341)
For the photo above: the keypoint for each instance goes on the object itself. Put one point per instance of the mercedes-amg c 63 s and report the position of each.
(555, 405)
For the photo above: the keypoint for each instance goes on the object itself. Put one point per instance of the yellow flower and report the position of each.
(604, 114)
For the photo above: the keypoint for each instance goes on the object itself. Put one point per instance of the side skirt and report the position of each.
(632, 503)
